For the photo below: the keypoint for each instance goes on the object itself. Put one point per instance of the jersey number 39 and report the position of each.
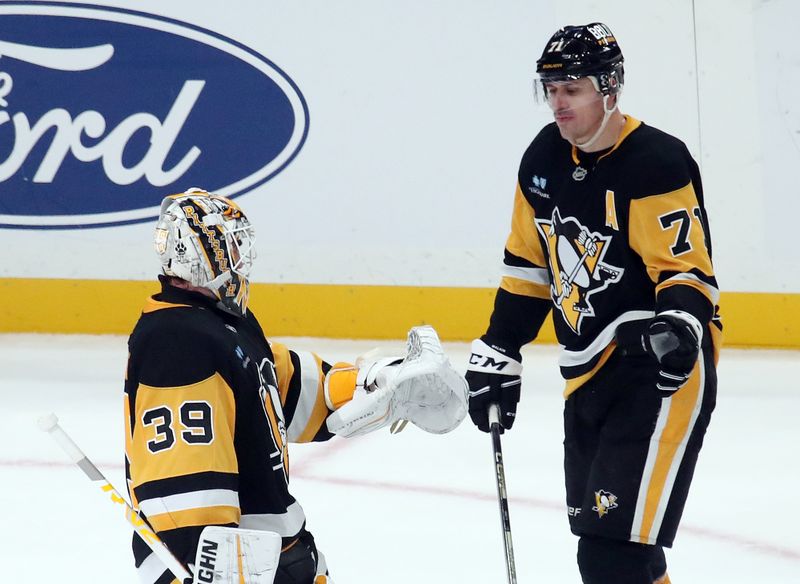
(195, 421)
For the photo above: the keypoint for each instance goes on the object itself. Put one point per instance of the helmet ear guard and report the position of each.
(611, 81)
(207, 240)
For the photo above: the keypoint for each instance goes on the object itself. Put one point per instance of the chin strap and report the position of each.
(606, 116)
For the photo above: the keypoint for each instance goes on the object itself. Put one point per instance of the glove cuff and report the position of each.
(486, 359)
(340, 383)
(368, 372)
(688, 318)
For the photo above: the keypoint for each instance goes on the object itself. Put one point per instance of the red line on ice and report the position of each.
(298, 472)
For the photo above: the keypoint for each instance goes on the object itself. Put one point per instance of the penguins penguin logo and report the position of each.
(604, 502)
(576, 263)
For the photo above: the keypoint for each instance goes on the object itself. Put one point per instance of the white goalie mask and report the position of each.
(208, 241)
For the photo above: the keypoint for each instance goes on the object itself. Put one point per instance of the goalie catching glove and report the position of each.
(422, 388)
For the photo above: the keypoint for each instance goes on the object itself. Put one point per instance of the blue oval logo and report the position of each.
(103, 111)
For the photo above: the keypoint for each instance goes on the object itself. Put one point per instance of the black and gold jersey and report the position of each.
(210, 406)
(603, 240)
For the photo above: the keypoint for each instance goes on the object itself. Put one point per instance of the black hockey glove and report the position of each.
(493, 378)
(673, 338)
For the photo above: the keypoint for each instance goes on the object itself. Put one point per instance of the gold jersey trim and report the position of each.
(152, 305)
(573, 384)
(631, 124)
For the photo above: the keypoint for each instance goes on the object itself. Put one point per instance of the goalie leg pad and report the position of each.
(227, 555)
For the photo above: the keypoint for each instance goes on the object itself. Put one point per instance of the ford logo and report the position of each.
(103, 111)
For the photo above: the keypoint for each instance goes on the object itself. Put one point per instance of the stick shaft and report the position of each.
(502, 498)
(90, 470)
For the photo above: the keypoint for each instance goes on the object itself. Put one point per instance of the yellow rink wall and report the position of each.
(343, 311)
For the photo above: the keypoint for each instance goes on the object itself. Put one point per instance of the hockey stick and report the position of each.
(49, 424)
(500, 476)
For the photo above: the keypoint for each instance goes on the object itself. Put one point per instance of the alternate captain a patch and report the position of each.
(576, 263)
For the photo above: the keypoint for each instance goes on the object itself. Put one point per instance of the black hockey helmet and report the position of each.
(588, 50)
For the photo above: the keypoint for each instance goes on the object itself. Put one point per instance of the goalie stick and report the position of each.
(500, 478)
(49, 424)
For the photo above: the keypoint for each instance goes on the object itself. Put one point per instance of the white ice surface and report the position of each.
(407, 508)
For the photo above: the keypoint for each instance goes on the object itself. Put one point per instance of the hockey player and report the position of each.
(610, 233)
(210, 406)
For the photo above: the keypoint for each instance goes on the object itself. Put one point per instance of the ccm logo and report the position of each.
(103, 111)
(485, 362)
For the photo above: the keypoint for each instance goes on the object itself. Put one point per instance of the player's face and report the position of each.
(577, 107)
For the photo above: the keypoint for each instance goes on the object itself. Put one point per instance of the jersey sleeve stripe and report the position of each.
(284, 368)
(220, 515)
(525, 288)
(310, 411)
(186, 484)
(286, 524)
(534, 275)
(194, 500)
(685, 279)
